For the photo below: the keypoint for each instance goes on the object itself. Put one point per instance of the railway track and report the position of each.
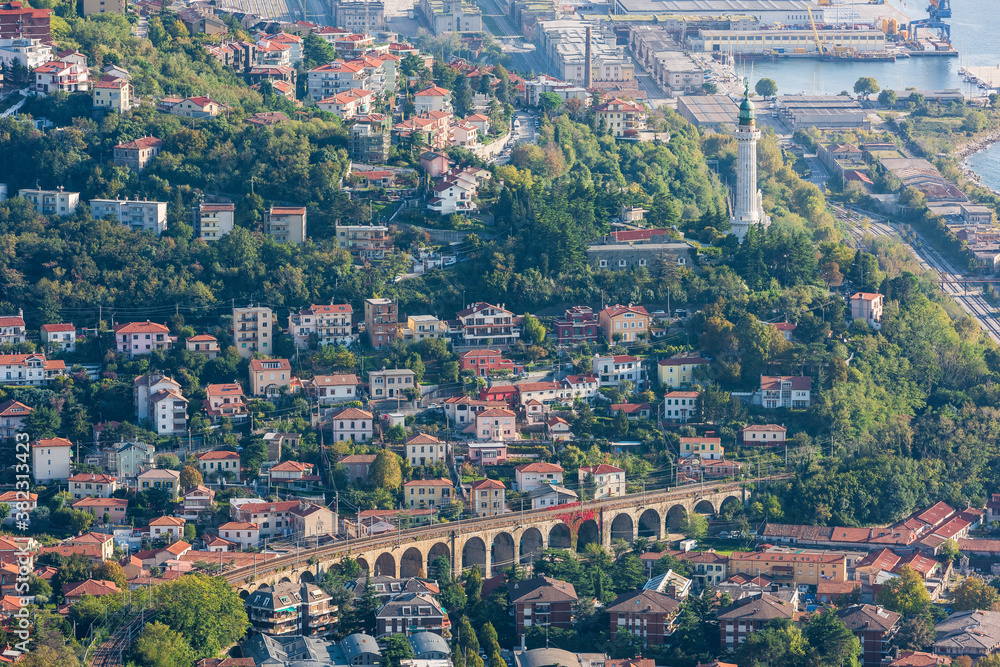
(113, 651)
(445, 530)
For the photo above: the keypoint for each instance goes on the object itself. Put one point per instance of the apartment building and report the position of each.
(749, 615)
(452, 15)
(484, 324)
(613, 370)
(253, 330)
(785, 391)
(390, 383)
(488, 497)
(286, 224)
(51, 202)
(578, 325)
(496, 424)
(159, 399)
(624, 323)
(351, 424)
(425, 450)
(542, 602)
(678, 371)
(269, 376)
(649, 615)
(225, 401)
(608, 480)
(421, 327)
(381, 322)
(160, 478)
(220, 463)
(30, 53)
(138, 215)
(12, 414)
(273, 518)
(365, 242)
(292, 609)
(349, 103)
(137, 338)
(61, 76)
(29, 369)
(370, 139)
(799, 569)
(104, 6)
(531, 476)
(337, 77)
(410, 613)
(213, 221)
(58, 337)
(331, 324)
(680, 406)
(622, 118)
(874, 627)
(421, 493)
(91, 485)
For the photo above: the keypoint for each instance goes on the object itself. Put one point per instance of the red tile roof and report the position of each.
(54, 328)
(140, 144)
(217, 455)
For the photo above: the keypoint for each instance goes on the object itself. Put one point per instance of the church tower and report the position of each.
(748, 208)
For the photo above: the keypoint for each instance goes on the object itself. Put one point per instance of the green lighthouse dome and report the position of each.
(748, 112)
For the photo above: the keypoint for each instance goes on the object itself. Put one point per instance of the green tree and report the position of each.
(467, 636)
(905, 594)
(975, 121)
(620, 425)
(831, 643)
(866, 86)
(766, 88)
(461, 96)
(694, 525)
(190, 477)
(205, 610)
(777, 644)
(43, 422)
(366, 607)
(888, 98)
(916, 633)
(488, 638)
(386, 471)
(973, 593)
(4, 511)
(474, 586)
(110, 570)
(534, 332)
(397, 648)
(160, 646)
(550, 102)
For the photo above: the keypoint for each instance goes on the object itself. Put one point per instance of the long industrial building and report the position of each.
(786, 41)
(785, 12)
(563, 44)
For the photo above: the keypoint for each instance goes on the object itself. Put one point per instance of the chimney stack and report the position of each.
(588, 79)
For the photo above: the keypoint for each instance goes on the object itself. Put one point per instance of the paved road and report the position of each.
(524, 57)
(971, 300)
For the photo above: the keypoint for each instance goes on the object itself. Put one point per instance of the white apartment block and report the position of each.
(140, 215)
(51, 202)
(29, 369)
(252, 330)
(31, 53)
(331, 324)
(51, 459)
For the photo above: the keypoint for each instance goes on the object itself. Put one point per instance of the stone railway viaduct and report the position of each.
(495, 543)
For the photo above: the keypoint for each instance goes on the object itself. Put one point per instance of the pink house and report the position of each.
(488, 453)
(142, 338)
(496, 424)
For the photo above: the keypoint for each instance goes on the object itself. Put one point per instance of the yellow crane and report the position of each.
(812, 22)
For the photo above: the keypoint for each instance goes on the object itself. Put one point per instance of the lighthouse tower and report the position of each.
(748, 208)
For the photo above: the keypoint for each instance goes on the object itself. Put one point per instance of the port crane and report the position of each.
(937, 11)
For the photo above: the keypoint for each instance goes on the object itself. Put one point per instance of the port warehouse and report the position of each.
(768, 12)
(786, 41)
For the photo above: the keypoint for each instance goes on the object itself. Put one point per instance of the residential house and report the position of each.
(648, 615)
(479, 121)
(435, 164)
(113, 94)
(558, 429)
(60, 76)
(198, 107)
(169, 527)
(919, 659)
(116, 509)
(365, 242)
(800, 569)
(633, 411)
(331, 324)
(269, 376)
(12, 414)
(867, 307)
(678, 371)
(160, 478)
(460, 410)
(487, 453)
(337, 77)
(702, 447)
(30, 53)
(583, 387)
(551, 495)
(351, 424)
(195, 502)
(137, 215)
(542, 602)
(349, 103)
(276, 441)
(253, 330)
(51, 460)
(579, 324)
(390, 383)
(623, 323)
(785, 391)
(242, 533)
(487, 362)
(622, 118)
(707, 567)
(73, 592)
(293, 610)
(381, 322)
(456, 191)
(273, 518)
(370, 139)
(488, 497)
(421, 327)
(771, 435)
(434, 98)
(613, 370)
(331, 389)
(213, 221)
(464, 134)
(29, 369)
(128, 459)
(410, 613)
(530, 476)
(425, 450)
(220, 464)
(874, 627)
(51, 202)
(680, 406)
(92, 485)
(12, 329)
(357, 467)
(286, 224)
(749, 615)
(484, 324)
(226, 401)
(59, 337)
(137, 154)
(159, 399)
(203, 344)
(496, 424)
(423, 493)
(536, 397)
(293, 475)
(608, 480)
(135, 338)
(972, 633)
(311, 519)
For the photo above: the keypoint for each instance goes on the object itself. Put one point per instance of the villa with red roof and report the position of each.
(348, 104)
(244, 533)
(59, 337)
(134, 338)
(621, 117)
(51, 459)
(171, 527)
(220, 462)
(488, 497)
(94, 587)
(12, 414)
(91, 485)
(531, 476)
(434, 98)
(763, 434)
(293, 474)
(484, 362)
(625, 322)
(60, 76)
(198, 107)
(608, 480)
(226, 401)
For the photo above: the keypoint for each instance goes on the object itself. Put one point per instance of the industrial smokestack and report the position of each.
(588, 78)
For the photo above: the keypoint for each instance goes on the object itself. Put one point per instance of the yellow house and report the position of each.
(427, 493)
(161, 478)
(703, 448)
(679, 371)
(800, 569)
